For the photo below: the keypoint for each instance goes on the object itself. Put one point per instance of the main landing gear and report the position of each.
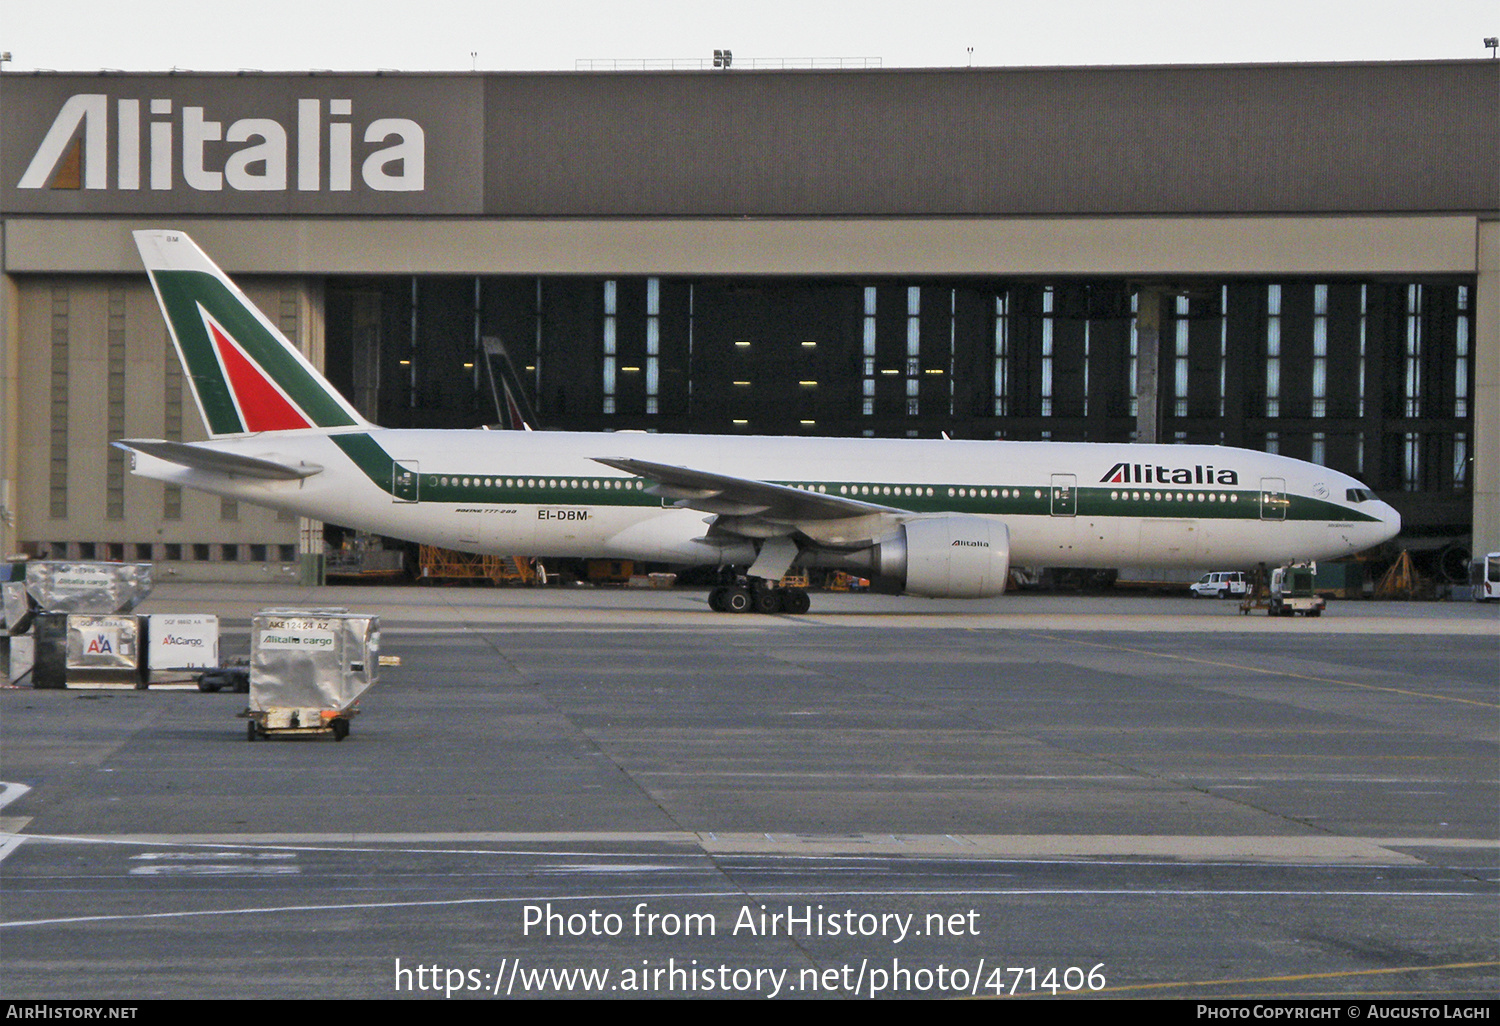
(753, 595)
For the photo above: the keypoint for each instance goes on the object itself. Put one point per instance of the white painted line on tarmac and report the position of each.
(1300, 849)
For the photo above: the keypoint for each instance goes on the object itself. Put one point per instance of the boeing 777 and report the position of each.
(926, 517)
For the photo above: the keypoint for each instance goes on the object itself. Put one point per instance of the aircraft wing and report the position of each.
(743, 497)
(217, 462)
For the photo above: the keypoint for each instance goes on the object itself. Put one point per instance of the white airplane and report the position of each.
(927, 517)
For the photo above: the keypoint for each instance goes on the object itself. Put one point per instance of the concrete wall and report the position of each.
(1158, 247)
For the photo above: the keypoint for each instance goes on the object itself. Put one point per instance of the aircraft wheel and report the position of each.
(716, 600)
(795, 601)
(735, 600)
(767, 600)
(340, 728)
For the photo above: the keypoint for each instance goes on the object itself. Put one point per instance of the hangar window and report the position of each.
(1049, 300)
(611, 301)
(653, 343)
(913, 349)
(1413, 351)
(1002, 355)
(1320, 354)
(867, 407)
(1273, 352)
(1180, 360)
(1461, 354)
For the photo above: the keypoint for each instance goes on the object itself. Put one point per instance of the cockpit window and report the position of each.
(1359, 495)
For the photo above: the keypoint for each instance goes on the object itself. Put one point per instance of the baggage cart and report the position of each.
(308, 670)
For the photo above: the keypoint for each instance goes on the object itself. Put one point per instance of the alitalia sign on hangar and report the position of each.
(232, 144)
(76, 151)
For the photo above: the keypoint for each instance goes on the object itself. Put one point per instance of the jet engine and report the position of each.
(951, 556)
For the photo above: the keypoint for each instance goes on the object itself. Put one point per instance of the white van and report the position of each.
(1221, 584)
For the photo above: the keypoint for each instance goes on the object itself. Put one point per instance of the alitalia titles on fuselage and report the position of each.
(1146, 473)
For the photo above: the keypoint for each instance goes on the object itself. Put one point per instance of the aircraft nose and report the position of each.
(1392, 520)
(1390, 523)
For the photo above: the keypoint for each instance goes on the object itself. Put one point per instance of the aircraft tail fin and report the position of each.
(245, 375)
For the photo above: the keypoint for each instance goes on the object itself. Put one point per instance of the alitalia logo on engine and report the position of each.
(159, 145)
(1146, 473)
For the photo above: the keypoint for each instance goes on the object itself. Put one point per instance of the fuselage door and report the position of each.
(1064, 495)
(1273, 498)
(405, 480)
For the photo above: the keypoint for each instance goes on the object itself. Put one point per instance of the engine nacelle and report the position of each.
(952, 556)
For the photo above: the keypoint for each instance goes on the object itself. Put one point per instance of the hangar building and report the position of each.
(1301, 258)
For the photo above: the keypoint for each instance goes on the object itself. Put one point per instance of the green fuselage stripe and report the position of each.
(994, 500)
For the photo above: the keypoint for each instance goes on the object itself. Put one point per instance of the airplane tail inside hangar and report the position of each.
(1235, 254)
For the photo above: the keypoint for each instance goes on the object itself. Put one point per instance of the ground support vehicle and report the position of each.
(1292, 591)
(1221, 584)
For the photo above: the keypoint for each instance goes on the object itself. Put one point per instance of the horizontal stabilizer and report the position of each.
(217, 462)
